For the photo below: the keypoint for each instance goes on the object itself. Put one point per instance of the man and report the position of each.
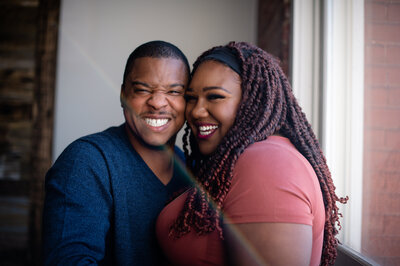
(105, 191)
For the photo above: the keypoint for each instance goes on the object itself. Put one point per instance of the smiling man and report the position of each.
(105, 190)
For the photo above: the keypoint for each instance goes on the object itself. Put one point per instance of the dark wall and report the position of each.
(17, 71)
(274, 29)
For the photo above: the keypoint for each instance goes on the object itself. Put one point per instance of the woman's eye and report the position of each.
(189, 98)
(215, 96)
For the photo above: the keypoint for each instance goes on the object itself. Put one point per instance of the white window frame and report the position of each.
(306, 59)
(335, 95)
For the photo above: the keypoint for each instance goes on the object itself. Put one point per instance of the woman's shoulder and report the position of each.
(274, 163)
(275, 151)
(273, 182)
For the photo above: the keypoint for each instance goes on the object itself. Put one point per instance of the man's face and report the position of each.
(153, 99)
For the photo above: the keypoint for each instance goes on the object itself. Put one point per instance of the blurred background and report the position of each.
(61, 66)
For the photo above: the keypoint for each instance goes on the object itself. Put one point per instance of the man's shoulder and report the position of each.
(94, 145)
(104, 141)
(110, 134)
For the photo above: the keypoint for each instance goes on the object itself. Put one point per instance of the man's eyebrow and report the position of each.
(140, 83)
(176, 85)
(144, 84)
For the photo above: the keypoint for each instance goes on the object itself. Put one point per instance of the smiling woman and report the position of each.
(262, 183)
(212, 102)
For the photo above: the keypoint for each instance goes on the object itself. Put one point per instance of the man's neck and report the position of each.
(159, 160)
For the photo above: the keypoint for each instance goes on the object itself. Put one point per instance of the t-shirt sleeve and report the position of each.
(271, 184)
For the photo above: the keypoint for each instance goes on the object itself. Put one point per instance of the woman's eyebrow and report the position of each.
(216, 88)
(210, 88)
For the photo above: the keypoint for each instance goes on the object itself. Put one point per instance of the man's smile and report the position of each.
(156, 122)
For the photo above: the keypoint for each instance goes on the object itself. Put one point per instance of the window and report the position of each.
(352, 99)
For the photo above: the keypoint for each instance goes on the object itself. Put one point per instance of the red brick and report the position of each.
(381, 181)
(379, 260)
(393, 12)
(392, 261)
(382, 161)
(381, 32)
(374, 224)
(392, 182)
(393, 75)
(367, 191)
(375, 76)
(370, 248)
(392, 162)
(382, 118)
(375, 11)
(375, 182)
(373, 246)
(394, 97)
(374, 54)
(381, 1)
(393, 54)
(392, 140)
(391, 225)
(367, 165)
(373, 138)
(376, 97)
(382, 246)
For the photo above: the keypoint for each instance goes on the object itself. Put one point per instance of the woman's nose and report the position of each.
(199, 110)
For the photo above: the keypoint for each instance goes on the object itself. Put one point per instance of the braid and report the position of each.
(268, 106)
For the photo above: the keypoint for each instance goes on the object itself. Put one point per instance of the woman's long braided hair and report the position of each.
(268, 106)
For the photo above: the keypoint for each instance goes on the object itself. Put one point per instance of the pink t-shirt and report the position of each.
(272, 182)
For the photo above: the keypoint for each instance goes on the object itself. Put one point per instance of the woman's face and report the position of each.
(212, 100)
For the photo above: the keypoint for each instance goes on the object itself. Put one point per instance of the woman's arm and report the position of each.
(268, 244)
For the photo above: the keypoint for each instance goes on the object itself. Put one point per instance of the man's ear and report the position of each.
(122, 96)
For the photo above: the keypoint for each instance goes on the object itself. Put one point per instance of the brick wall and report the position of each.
(381, 204)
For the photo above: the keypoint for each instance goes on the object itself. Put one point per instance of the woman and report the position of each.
(264, 194)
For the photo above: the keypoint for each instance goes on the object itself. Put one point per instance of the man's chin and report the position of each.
(160, 145)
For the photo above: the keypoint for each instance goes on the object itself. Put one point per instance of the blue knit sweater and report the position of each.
(101, 204)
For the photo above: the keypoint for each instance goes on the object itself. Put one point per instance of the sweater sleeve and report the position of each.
(78, 207)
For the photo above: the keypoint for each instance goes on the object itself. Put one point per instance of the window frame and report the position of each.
(333, 94)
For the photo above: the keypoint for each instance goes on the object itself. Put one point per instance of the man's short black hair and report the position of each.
(155, 49)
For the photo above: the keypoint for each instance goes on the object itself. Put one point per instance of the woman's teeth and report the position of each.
(156, 122)
(205, 130)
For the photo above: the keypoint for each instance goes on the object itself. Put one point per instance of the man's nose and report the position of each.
(158, 100)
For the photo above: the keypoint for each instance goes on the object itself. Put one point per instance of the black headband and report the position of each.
(225, 56)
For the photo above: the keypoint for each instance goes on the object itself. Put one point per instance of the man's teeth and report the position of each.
(205, 130)
(156, 122)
